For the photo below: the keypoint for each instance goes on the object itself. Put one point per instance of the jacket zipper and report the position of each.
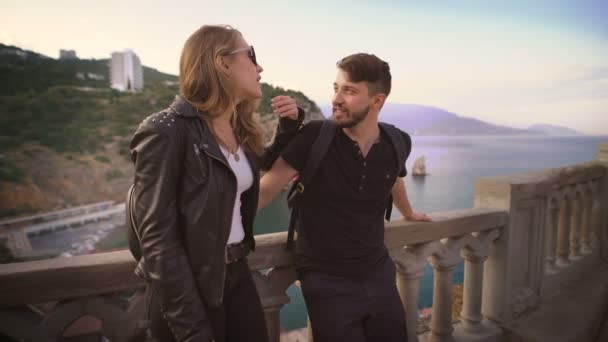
(225, 242)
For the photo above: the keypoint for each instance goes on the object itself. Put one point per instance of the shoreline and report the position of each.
(116, 239)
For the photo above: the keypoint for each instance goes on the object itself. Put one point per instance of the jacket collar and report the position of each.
(182, 107)
(208, 144)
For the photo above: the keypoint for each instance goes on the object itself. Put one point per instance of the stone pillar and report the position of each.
(410, 263)
(272, 287)
(273, 321)
(586, 220)
(441, 321)
(600, 213)
(599, 219)
(575, 225)
(408, 285)
(473, 286)
(552, 220)
(516, 262)
(563, 233)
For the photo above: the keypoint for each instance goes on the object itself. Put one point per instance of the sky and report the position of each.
(513, 63)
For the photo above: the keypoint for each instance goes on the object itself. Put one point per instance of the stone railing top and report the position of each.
(549, 179)
(64, 278)
(271, 252)
(88, 275)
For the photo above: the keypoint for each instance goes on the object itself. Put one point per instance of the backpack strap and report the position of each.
(132, 234)
(400, 150)
(315, 156)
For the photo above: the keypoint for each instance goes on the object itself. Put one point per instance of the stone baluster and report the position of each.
(551, 231)
(596, 215)
(444, 262)
(563, 233)
(586, 219)
(272, 287)
(441, 322)
(575, 225)
(410, 263)
(475, 255)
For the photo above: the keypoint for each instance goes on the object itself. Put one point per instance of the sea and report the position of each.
(453, 164)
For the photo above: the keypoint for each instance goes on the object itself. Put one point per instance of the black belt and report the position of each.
(236, 252)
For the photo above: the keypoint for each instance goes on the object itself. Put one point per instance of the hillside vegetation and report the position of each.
(64, 133)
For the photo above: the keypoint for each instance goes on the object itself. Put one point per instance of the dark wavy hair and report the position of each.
(368, 68)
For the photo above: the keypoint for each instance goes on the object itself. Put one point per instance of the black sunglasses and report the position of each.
(250, 53)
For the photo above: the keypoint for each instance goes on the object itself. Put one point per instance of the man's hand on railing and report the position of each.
(414, 216)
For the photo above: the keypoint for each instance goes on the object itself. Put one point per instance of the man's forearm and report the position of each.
(400, 199)
(274, 180)
(267, 192)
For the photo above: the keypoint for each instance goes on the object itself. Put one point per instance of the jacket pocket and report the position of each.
(201, 161)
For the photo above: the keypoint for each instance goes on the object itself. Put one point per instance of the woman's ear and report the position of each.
(222, 63)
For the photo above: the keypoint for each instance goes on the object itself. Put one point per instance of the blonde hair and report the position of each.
(207, 87)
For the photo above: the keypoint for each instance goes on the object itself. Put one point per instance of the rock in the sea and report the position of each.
(419, 168)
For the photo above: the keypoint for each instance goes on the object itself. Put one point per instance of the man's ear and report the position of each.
(379, 100)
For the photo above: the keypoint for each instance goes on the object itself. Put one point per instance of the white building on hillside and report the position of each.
(126, 72)
(67, 54)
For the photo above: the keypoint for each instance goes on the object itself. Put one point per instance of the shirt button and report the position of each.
(360, 188)
(388, 176)
(363, 176)
(364, 163)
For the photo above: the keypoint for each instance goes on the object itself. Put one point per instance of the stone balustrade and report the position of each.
(556, 224)
(526, 235)
(104, 286)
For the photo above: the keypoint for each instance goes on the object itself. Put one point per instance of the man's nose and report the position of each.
(337, 98)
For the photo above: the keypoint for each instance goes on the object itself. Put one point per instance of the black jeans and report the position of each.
(239, 318)
(355, 310)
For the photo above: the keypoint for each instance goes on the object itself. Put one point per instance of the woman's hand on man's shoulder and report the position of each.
(285, 106)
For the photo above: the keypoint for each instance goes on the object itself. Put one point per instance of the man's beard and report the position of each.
(353, 118)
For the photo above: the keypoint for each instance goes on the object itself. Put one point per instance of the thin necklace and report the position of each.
(231, 151)
(221, 142)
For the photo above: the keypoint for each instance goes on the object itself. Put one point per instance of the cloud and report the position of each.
(586, 74)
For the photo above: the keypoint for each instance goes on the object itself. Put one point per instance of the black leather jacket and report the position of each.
(184, 193)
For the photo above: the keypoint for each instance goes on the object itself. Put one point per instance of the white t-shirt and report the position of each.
(244, 180)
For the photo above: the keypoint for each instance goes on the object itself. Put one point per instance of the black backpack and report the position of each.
(315, 156)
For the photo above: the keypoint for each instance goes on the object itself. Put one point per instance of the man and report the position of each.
(347, 276)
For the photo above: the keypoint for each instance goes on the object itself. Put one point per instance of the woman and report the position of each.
(196, 191)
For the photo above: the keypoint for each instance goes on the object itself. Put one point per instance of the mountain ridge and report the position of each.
(424, 120)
